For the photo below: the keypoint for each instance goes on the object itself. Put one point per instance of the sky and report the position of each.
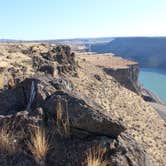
(62, 19)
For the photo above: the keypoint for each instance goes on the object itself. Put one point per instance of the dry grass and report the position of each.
(95, 157)
(7, 141)
(62, 118)
(1, 81)
(39, 145)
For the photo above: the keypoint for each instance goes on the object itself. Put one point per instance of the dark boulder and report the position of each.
(29, 94)
(123, 151)
(126, 151)
(48, 69)
(83, 116)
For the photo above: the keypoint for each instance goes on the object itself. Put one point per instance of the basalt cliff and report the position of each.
(148, 51)
(85, 108)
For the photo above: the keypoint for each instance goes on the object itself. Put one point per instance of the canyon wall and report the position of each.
(127, 76)
(148, 51)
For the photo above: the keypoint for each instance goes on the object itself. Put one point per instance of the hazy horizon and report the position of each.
(84, 38)
(53, 19)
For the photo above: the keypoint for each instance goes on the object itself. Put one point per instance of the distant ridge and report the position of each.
(148, 51)
(9, 41)
(73, 40)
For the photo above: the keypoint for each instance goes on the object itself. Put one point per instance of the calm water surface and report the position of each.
(154, 80)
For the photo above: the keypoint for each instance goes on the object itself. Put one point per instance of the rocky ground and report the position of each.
(124, 71)
(106, 60)
(79, 106)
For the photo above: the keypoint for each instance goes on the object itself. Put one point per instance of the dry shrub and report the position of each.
(39, 145)
(62, 118)
(7, 141)
(1, 81)
(95, 157)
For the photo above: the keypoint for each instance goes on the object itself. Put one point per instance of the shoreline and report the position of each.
(150, 96)
(156, 102)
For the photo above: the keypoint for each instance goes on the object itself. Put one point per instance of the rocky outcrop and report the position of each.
(89, 127)
(85, 117)
(28, 93)
(127, 146)
(33, 93)
(46, 59)
(61, 55)
(121, 151)
(124, 71)
(127, 76)
(116, 152)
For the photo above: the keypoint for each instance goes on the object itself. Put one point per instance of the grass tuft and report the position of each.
(39, 145)
(62, 118)
(1, 81)
(7, 141)
(95, 157)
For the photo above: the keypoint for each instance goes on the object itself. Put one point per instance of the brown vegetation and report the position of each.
(39, 145)
(95, 157)
(62, 118)
(7, 141)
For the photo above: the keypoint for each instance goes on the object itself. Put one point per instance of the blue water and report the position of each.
(154, 80)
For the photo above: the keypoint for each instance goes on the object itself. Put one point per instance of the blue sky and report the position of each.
(55, 19)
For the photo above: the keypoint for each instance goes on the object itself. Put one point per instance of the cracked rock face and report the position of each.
(84, 117)
(31, 93)
(23, 61)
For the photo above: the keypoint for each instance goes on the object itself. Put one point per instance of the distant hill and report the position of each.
(9, 41)
(74, 40)
(148, 51)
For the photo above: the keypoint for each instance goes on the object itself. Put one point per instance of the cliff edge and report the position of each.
(124, 71)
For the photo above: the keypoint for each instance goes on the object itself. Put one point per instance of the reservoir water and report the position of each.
(154, 80)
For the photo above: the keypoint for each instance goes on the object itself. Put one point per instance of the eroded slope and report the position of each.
(141, 120)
